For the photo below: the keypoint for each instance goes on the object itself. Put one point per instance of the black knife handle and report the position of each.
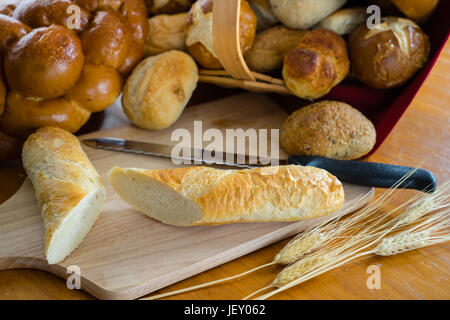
(371, 174)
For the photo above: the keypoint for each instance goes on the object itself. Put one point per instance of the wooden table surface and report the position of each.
(422, 134)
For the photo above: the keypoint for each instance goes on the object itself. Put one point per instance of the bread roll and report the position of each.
(263, 10)
(29, 72)
(155, 94)
(317, 64)
(68, 189)
(417, 10)
(328, 129)
(389, 55)
(167, 6)
(302, 14)
(7, 7)
(199, 41)
(343, 21)
(207, 196)
(166, 32)
(270, 47)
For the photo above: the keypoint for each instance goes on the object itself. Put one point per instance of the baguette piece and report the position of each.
(68, 189)
(208, 196)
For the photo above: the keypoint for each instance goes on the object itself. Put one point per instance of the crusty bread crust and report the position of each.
(285, 193)
(62, 177)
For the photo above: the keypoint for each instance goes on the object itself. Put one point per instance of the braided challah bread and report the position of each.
(63, 60)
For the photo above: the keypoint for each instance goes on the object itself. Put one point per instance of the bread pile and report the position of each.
(62, 62)
(312, 44)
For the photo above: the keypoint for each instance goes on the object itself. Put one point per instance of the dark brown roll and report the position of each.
(390, 55)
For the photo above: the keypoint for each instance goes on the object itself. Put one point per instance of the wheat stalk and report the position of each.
(429, 230)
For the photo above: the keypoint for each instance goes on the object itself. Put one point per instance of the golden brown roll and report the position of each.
(167, 6)
(343, 21)
(11, 31)
(45, 13)
(317, 64)
(97, 88)
(199, 39)
(107, 40)
(158, 89)
(328, 129)
(23, 115)
(45, 63)
(390, 55)
(302, 14)
(166, 32)
(417, 10)
(270, 47)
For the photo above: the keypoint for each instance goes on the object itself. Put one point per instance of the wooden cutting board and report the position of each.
(127, 254)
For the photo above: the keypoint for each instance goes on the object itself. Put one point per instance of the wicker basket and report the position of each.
(226, 44)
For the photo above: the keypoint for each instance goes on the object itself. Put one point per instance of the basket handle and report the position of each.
(226, 38)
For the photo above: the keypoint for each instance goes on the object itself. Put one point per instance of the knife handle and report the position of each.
(372, 174)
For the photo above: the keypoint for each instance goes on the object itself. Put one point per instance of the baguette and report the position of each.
(207, 196)
(68, 189)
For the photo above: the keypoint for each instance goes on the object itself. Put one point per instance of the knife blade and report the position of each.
(363, 173)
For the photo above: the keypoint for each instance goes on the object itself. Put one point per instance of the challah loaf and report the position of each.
(317, 64)
(68, 189)
(58, 71)
(208, 196)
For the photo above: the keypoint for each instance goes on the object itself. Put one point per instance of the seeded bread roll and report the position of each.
(328, 129)
(303, 14)
(208, 196)
(166, 32)
(199, 39)
(270, 47)
(343, 21)
(388, 56)
(68, 189)
(317, 64)
(155, 94)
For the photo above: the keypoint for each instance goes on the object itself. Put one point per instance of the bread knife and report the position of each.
(371, 174)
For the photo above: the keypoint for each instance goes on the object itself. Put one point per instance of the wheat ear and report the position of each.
(429, 230)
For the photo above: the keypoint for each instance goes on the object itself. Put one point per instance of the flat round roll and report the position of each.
(270, 47)
(24, 115)
(158, 89)
(97, 88)
(68, 189)
(390, 55)
(45, 63)
(417, 10)
(303, 14)
(344, 21)
(317, 64)
(199, 41)
(208, 196)
(166, 32)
